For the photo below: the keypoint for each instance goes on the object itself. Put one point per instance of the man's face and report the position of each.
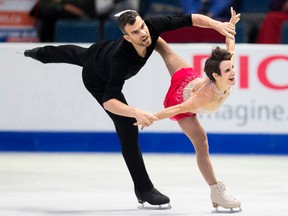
(138, 33)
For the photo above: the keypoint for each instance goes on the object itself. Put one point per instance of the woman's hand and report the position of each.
(234, 17)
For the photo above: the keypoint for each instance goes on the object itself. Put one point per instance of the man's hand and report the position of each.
(144, 118)
(117, 107)
(227, 29)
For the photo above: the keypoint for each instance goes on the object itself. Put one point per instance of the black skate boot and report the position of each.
(153, 197)
(31, 53)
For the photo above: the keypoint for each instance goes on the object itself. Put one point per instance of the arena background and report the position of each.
(60, 155)
(46, 108)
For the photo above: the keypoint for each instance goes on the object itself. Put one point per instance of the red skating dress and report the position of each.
(175, 95)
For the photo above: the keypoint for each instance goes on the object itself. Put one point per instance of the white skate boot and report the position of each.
(220, 197)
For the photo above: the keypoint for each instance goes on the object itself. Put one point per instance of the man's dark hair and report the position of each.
(212, 63)
(128, 17)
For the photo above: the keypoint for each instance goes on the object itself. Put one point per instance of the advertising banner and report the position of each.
(257, 103)
(45, 107)
(15, 23)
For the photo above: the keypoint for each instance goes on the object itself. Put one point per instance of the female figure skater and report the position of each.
(190, 94)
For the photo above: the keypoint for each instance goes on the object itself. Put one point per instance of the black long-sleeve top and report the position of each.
(117, 61)
(106, 65)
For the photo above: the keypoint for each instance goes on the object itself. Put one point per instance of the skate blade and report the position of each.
(227, 210)
(155, 207)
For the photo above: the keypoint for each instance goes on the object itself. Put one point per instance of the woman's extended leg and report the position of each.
(195, 132)
(219, 195)
(173, 61)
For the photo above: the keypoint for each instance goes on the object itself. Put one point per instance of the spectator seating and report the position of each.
(284, 34)
(252, 15)
(77, 31)
(111, 30)
(161, 7)
(240, 33)
(193, 35)
(253, 6)
(90, 31)
(271, 28)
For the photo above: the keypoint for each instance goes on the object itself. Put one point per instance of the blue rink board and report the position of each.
(27, 141)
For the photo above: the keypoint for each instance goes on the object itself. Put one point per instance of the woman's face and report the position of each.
(227, 73)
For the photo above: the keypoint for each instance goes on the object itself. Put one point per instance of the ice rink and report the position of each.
(99, 184)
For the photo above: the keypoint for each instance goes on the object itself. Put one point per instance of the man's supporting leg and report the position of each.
(128, 136)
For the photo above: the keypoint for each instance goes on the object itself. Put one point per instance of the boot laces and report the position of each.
(221, 188)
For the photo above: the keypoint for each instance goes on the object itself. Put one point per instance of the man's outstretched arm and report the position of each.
(225, 28)
(142, 117)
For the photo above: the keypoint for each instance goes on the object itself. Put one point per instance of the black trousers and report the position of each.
(127, 133)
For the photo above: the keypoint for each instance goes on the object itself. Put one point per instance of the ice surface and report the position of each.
(99, 184)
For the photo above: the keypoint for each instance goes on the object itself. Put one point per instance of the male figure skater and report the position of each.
(105, 67)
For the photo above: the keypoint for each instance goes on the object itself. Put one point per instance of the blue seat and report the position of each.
(77, 31)
(284, 34)
(161, 7)
(240, 33)
(253, 6)
(169, 2)
(111, 30)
